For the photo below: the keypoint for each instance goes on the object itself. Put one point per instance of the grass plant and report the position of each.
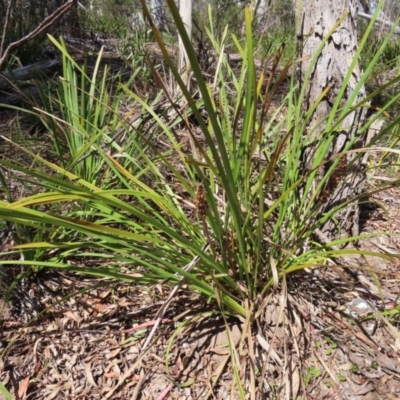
(239, 201)
(84, 113)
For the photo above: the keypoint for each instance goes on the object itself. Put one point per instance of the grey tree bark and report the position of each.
(260, 11)
(316, 20)
(157, 8)
(186, 11)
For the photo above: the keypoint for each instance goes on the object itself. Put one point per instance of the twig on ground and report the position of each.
(139, 385)
(160, 315)
(125, 376)
(161, 312)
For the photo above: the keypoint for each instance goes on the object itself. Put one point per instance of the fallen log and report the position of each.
(23, 95)
(29, 72)
(16, 90)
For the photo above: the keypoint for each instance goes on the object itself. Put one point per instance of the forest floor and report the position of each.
(86, 346)
(61, 340)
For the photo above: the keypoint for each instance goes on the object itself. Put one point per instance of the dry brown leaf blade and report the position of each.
(54, 390)
(89, 376)
(294, 379)
(71, 315)
(105, 293)
(23, 387)
(266, 346)
(114, 353)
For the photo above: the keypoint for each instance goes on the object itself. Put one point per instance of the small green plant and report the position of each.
(312, 374)
(330, 345)
(133, 48)
(136, 336)
(85, 114)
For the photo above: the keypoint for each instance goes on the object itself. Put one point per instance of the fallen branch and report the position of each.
(379, 21)
(29, 72)
(47, 23)
(21, 96)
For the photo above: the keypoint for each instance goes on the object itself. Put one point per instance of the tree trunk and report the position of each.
(365, 6)
(260, 11)
(185, 10)
(317, 18)
(158, 13)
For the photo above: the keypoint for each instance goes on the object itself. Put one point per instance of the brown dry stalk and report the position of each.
(338, 174)
(201, 202)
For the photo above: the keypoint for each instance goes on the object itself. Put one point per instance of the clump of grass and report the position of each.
(238, 203)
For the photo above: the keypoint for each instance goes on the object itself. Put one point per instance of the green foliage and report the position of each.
(312, 374)
(7, 395)
(144, 209)
(274, 39)
(226, 14)
(153, 232)
(390, 55)
(109, 17)
(108, 24)
(133, 49)
(85, 114)
(384, 70)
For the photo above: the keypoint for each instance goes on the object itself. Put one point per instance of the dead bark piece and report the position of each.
(316, 20)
